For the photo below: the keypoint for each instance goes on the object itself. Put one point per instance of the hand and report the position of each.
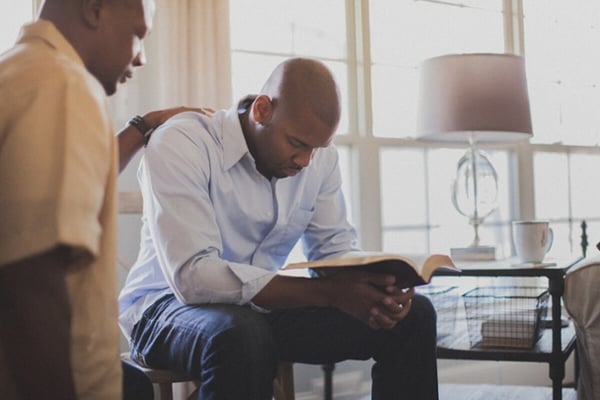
(371, 297)
(393, 308)
(156, 118)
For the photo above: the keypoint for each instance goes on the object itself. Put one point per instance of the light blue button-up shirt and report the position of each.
(214, 229)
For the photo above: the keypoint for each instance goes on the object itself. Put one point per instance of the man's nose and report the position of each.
(140, 58)
(303, 159)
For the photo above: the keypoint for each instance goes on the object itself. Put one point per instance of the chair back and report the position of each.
(582, 302)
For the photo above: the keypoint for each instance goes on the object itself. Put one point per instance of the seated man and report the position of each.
(225, 200)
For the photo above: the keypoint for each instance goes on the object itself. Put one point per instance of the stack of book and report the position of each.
(518, 333)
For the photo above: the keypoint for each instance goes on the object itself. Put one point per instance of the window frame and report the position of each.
(364, 146)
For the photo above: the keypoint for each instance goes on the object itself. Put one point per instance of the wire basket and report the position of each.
(505, 316)
(445, 302)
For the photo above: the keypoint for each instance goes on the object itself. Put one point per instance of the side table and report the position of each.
(555, 345)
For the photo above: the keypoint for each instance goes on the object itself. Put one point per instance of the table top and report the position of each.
(512, 267)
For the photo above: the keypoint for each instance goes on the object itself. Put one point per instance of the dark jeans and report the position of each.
(234, 351)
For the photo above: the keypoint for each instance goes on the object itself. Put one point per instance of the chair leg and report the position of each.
(166, 391)
(328, 381)
(194, 394)
(283, 385)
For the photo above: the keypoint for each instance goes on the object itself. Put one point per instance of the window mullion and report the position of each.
(521, 172)
(514, 42)
(366, 193)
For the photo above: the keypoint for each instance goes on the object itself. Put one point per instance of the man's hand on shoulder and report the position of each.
(159, 117)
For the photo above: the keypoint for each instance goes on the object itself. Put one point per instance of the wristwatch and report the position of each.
(140, 124)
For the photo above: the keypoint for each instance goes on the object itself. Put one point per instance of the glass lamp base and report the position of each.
(473, 253)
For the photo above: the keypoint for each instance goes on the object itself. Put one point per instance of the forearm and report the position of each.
(135, 135)
(369, 297)
(289, 292)
(35, 326)
(130, 141)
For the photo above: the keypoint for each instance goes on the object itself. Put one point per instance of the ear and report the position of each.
(91, 11)
(262, 109)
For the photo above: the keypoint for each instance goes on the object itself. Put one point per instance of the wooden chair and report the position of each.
(283, 385)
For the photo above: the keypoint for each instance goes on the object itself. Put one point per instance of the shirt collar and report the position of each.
(46, 31)
(234, 143)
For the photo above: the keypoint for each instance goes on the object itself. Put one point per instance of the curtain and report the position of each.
(188, 61)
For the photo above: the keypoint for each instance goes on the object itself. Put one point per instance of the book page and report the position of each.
(409, 270)
(354, 258)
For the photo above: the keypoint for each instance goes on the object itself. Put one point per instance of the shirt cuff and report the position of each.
(259, 309)
(253, 279)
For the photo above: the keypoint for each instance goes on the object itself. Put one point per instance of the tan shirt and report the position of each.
(58, 167)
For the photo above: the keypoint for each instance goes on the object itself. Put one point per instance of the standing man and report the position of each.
(225, 201)
(58, 166)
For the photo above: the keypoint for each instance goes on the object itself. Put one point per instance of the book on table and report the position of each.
(413, 270)
(519, 329)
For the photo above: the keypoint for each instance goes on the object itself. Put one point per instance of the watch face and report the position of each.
(140, 124)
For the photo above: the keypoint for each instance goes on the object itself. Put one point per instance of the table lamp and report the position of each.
(474, 98)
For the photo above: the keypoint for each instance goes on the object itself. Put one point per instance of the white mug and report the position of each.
(532, 240)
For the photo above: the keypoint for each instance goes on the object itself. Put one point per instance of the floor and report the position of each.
(451, 391)
(490, 392)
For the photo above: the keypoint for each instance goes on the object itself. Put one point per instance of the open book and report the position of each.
(409, 270)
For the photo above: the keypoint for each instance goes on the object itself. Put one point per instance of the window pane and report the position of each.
(561, 45)
(585, 185)
(405, 241)
(566, 194)
(403, 187)
(13, 14)
(394, 100)
(309, 27)
(551, 176)
(441, 28)
(407, 32)
(346, 163)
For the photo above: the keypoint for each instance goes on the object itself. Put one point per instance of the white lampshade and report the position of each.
(478, 96)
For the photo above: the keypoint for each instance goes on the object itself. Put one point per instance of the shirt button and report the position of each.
(269, 214)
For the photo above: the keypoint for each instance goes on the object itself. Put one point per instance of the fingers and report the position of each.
(381, 280)
(375, 298)
(157, 118)
(202, 110)
(392, 310)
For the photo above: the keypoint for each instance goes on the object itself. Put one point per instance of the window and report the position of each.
(563, 64)
(13, 14)
(398, 188)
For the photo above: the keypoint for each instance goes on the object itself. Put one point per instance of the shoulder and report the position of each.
(191, 129)
(32, 73)
(187, 141)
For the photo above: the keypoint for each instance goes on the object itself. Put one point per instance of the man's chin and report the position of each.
(289, 172)
(110, 88)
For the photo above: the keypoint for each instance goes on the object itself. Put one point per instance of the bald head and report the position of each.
(107, 34)
(302, 83)
(296, 112)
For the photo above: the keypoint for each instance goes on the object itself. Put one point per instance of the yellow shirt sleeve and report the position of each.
(54, 165)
